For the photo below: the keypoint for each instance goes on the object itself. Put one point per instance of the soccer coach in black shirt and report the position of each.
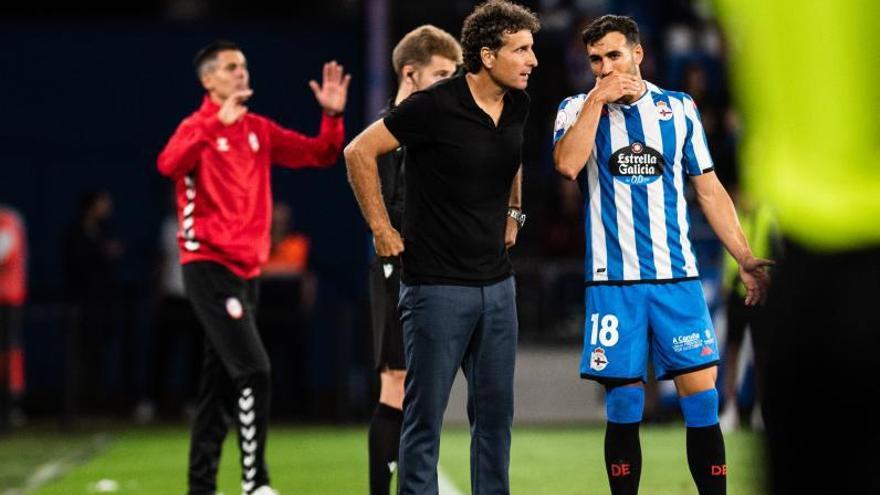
(463, 177)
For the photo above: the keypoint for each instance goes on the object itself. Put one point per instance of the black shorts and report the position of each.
(740, 317)
(387, 330)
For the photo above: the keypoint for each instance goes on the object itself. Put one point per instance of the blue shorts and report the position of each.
(626, 324)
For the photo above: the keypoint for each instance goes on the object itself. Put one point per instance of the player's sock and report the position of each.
(384, 444)
(623, 457)
(705, 443)
(623, 451)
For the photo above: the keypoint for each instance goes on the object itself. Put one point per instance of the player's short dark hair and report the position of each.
(418, 45)
(487, 25)
(622, 24)
(209, 54)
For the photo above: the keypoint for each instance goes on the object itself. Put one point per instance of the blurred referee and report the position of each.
(219, 159)
(421, 58)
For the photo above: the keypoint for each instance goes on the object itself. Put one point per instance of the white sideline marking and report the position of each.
(445, 485)
(55, 469)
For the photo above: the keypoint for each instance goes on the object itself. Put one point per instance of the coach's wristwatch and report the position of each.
(518, 215)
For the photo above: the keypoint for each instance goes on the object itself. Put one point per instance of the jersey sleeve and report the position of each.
(412, 122)
(294, 150)
(7, 243)
(697, 159)
(13, 237)
(568, 112)
(184, 148)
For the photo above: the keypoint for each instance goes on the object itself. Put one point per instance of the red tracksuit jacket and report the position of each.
(13, 259)
(221, 174)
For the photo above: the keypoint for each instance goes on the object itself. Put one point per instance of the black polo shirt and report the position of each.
(391, 167)
(459, 171)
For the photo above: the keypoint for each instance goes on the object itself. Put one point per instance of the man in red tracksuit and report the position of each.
(13, 292)
(219, 159)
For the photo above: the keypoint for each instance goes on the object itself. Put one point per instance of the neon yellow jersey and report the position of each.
(760, 228)
(807, 81)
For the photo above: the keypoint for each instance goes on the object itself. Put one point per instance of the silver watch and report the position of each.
(518, 215)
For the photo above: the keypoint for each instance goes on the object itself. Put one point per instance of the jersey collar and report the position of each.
(208, 105)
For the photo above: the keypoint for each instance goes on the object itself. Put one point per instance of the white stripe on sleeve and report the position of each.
(698, 136)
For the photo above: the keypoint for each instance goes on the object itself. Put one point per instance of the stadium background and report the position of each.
(93, 92)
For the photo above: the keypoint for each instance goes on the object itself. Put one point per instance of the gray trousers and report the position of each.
(444, 327)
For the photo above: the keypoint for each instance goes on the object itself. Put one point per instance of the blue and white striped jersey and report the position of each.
(635, 215)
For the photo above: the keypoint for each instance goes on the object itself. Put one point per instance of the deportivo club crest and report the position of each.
(598, 359)
(636, 164)
(663, 111)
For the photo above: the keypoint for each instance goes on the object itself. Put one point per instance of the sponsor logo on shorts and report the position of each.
(388, 269)
(709, 340)
(707, 351)
(598, 359)
(234, 308)
(687, 342)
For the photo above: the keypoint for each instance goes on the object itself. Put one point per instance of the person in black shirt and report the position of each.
(91, 258)
(463, 139)
(421, 58)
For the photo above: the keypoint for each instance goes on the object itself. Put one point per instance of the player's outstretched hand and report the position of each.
(233, 108)
(753, 272)
(616, 86)
(388, 243)
(332, 93)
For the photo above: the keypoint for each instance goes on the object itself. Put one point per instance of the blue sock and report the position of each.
(700, 409)
(625, 404)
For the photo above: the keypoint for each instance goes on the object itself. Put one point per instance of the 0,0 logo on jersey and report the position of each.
(636, 164)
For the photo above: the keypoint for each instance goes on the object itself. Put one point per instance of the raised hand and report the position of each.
(233, 108)
(332, 93)
(617, 86)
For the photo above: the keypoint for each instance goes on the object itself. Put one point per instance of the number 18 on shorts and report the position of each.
(626, 325)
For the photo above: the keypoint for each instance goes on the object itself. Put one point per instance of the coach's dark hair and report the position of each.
(487, 25)
(209, 53)
(622, 24)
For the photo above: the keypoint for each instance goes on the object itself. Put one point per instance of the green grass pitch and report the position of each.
(333, 460)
